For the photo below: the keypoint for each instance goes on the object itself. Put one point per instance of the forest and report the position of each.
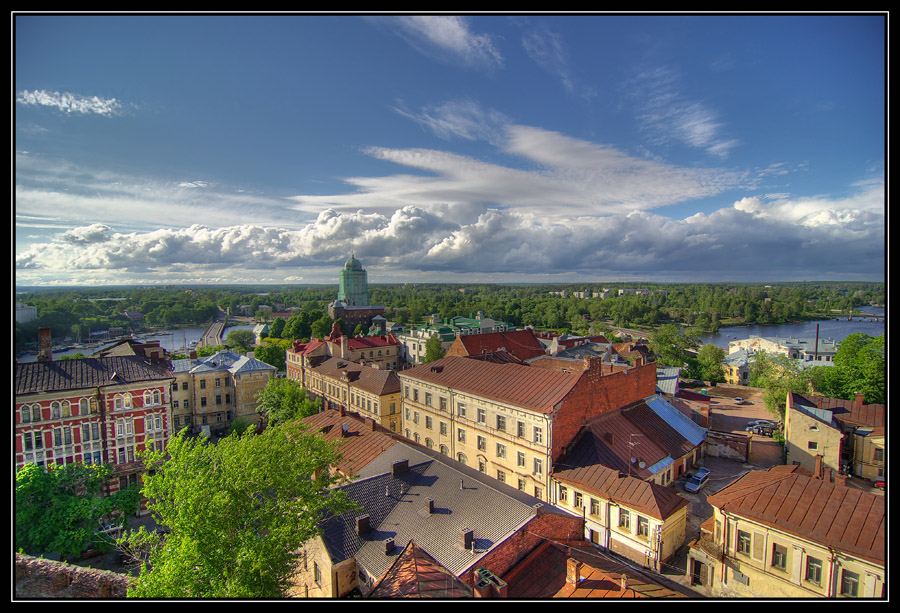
(74, 313)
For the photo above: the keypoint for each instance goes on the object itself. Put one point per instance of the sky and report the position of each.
(167, 149)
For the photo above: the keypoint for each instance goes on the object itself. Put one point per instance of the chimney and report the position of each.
(623, 582)
(840, 479)
(45, 351)
(345, 429)
(400, 467)
(343, 411)
(388, 547)
(608, 436)
(362, 525)
(429, 506)
(573, 571)
(817, 473)
(859, 397)
(638, 361)
(465, 539)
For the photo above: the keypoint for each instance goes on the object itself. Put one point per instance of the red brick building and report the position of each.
(92, 410)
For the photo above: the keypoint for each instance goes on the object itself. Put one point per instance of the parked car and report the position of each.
(739, 401)
(698, 481)
(760, 422)
(880, 485)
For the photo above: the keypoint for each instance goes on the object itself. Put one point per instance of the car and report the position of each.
(739, 401)
(698, 481)
(760, 422)
(880, 485)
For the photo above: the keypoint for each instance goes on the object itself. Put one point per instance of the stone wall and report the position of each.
(40, 578)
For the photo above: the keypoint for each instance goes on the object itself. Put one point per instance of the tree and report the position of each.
(277, 328)
(273, 355)
(433, 349)
(708, 365)
(670, 344)
(778, 375)
(283, 400)
(61, 507)
(242, 340)
(237, 513)
(859, 367)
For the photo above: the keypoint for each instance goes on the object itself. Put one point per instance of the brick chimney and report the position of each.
(817, 473)
(623, 582)
(45, 349)
(573, 571)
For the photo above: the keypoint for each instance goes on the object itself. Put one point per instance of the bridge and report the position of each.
(868, 317)
(213, 335)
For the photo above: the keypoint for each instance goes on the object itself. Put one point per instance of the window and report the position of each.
(624, 519)
(445, 450)
(538, 435)
(26, 414)
(406, 391)
(482, 416)
(812, 445)
(501, 476)
(54, 410)
(203, 384)
(878, 454)
(443, 428)
(849, 583)
(443, 403)
(482, 443)
(415, 417)
(84, 406)
(520, 429)
(317, 573)
(415, 395)
(538, 467)
(520, 459)
(428, 422)
(461, 435)
(461, 409)
(461, 458)
(814, 570)
(779, 556)
(579, 500)
(36, 413)
(428, 398)
(501, 451)
(501, 422)
(744, 542)
(643, 527)
(595, 506)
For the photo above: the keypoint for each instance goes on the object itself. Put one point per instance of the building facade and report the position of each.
(210, 393)
(783, 533)
(92, 411)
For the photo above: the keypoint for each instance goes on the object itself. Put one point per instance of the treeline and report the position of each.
(706, 307)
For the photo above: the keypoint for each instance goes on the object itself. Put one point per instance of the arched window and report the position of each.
(66, 408)
(26, 414)
(429, 443)
(84, 406)
(35, 412)
(55, 408)
(445, 450)
(461, 458)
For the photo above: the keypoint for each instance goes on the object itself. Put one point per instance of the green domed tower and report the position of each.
(353, 289)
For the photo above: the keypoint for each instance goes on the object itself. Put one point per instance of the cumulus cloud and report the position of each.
(71, 103)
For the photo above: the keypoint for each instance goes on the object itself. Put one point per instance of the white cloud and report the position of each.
(71, 103)
(446, 38)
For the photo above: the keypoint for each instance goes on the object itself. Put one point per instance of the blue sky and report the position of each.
(504, 148)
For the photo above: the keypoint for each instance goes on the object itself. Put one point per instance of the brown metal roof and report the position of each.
(361, 444)
(366, 378)
(833, 515)
(530, 388)
(521, 343)
(415, 574)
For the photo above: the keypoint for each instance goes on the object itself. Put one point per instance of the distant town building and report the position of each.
(25, 313)
(352, 303)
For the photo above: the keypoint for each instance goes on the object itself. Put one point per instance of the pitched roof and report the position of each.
(415, 574)
(396, 506)
(361, 443)
(849, 412)
(789, 499)
(521, 343)
(543, 573)
(220, 361)
(366, 378)
(61, 375)
(530, 388)
(635, 431)
(654, 500)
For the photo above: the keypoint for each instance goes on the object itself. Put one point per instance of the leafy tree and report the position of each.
(237, 513)
(671, 344)
(277, 328)
(60, 508)
(241, 340)
(273, 355)
(859, 366)
(433, 349)
(283, 400)
(778, 375)
(708, 364)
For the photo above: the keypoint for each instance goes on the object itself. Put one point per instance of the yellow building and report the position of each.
(369, 392)
(781, 533)
(210, 393)
(643, 521)
(848, 435)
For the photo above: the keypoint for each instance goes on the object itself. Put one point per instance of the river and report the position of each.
(172, 341)
(837, 329)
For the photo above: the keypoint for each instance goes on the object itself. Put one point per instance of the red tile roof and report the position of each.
(791, 500)
(535, 389)
(415, 574)
(366, 378)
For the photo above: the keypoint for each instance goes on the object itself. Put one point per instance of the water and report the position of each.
(172, 341)
(837, 329)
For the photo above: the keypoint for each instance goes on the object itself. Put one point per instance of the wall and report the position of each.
(727, 446)
(40, 578)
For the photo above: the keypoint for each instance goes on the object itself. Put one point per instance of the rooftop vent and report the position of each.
(388, 546)
(466, 538)
(399, 467)
(362, 525)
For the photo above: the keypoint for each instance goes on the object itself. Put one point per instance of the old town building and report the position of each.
(92, 410)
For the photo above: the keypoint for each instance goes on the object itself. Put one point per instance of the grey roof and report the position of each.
(677, 420)
(220, 361)
(59, 375)
(396, 505)
(667, 380)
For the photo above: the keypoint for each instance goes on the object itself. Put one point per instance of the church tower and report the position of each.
(353, 289)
